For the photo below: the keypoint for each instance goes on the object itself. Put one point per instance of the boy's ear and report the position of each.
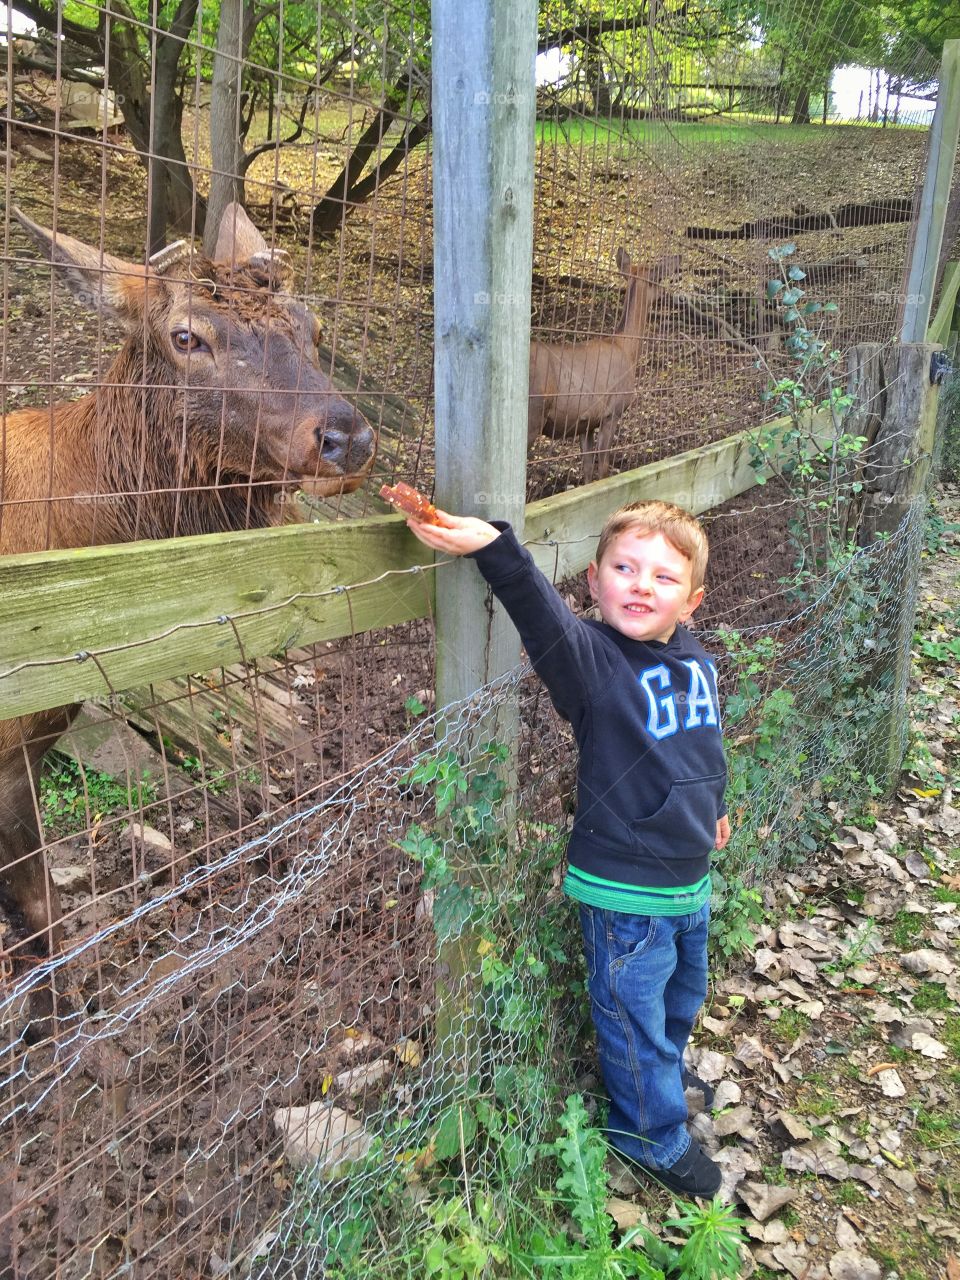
(693, 603)
(592, 579)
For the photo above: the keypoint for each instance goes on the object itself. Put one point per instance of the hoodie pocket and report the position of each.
(685, 825)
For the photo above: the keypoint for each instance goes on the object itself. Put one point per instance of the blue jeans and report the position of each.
(647, 977)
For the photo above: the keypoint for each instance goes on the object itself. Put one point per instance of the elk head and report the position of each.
(223, 360)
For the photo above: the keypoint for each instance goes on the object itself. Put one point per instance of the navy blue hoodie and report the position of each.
(651, 773)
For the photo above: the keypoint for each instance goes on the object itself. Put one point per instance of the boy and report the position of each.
(640, 694)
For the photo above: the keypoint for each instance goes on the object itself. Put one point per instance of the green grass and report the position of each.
(907, 926)
(937, 1129)
(817, 1096)
(950, 1034)
(943, 894)
(583, 131)
(71, 798)
(791, 1024)
(848, 1193)
(931, 995)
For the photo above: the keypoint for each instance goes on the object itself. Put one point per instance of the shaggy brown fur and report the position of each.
(213, 407)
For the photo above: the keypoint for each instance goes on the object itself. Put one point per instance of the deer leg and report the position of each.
(589, 460)
(604, 445)
(33, 903)
(28, 890)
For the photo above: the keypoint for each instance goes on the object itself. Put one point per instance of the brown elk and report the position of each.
(214, 407)
(582, 388)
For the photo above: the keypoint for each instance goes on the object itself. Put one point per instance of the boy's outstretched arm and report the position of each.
(457, 536)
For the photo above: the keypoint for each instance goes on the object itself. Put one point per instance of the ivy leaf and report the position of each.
(774, 287)
(452, 908)
(796, 274)
(446, 1139)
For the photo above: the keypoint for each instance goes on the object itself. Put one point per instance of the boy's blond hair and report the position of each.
(679, 528)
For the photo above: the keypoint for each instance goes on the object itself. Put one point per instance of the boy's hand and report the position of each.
(723, 832)
(457, 536)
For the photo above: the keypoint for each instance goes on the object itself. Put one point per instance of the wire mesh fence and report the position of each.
(263, 1064)
(255, 1069)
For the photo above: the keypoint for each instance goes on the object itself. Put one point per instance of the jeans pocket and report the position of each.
(629, 935)
(588, 922)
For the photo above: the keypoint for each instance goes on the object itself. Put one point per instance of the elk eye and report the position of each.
(185, 341)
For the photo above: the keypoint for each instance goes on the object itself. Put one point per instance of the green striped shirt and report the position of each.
(633, 899)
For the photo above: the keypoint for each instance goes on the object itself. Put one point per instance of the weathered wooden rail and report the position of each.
(83, 623)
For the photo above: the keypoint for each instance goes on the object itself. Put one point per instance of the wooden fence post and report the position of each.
(484, 111)
(895, 479)
(928, 230)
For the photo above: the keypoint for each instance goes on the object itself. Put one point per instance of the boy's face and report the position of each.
(643, 586)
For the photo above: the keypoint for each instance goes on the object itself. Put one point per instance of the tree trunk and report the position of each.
(172, 197)
(596, 82)
(801, 106)
(333, 208)
(780, 94)
(364, 189)
(226, 145)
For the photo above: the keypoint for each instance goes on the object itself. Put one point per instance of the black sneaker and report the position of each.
(690, 1081)
(694, 1175)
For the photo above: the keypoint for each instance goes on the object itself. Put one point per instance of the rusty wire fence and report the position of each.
(254, 1046)
(281, 1052)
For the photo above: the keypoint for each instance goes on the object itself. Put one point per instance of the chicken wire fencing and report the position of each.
(261, 1035)
(281, 1052)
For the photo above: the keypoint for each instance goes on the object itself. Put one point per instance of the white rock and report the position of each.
(763, 1200)
(925, 960)
(71, 879)
(362, 1077)
(322, 1134)
(890, 1083)
(847, 1235)
(850, 1264)
(728, 1094)
(926, 1045)
(710, 1066)
(797, 1130)
(151, 837)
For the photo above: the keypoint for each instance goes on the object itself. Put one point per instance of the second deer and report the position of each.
(581, 389)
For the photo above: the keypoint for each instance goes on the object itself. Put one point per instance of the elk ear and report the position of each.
(238, 239)
(99, 280)
(623, 261)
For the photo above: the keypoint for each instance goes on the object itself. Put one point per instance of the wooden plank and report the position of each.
(896, 477)
(697, 480)
(150, 610)
(942, 322)
(928, 231)
(484, 106)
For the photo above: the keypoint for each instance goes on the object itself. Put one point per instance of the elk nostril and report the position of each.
(330, 441)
